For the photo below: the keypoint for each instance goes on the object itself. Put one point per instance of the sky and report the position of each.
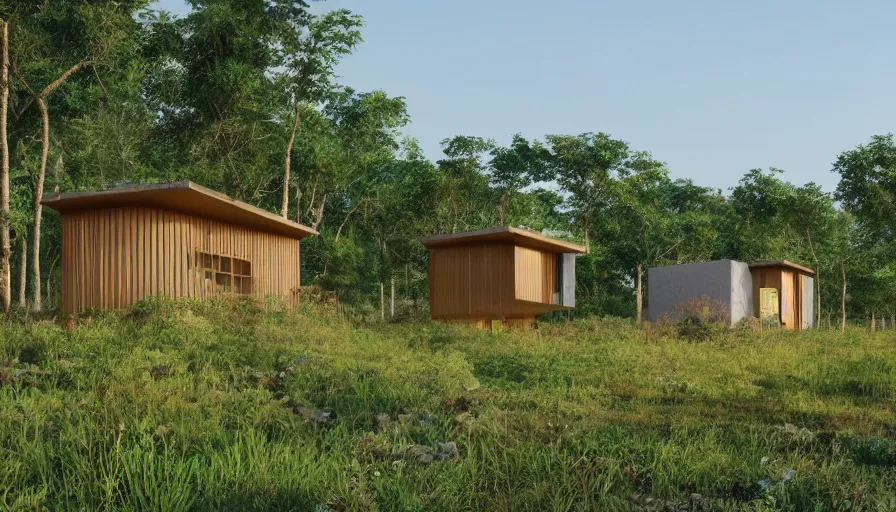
(712, 88)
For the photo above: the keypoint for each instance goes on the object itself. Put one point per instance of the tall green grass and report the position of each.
(238, 405)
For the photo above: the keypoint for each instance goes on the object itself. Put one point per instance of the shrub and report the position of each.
(705, 308)
(693, 330)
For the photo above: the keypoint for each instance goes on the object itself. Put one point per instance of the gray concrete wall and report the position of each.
(726, 281)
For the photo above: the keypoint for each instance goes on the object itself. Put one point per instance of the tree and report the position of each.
(465, 182)
(309, 57)
(867, 187)
(5, 285)
(643, 228)
(512, 168)
(585, 167)
(50, 52)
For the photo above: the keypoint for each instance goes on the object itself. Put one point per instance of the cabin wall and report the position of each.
(764, 277)
(473, 282)
(535, 275)
(672, 289)
(807, 287)
(792, 288)
(112, 258)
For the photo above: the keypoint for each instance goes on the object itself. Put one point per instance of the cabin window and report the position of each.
(224, 274)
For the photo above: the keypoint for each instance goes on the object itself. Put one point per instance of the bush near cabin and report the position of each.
(240, 405)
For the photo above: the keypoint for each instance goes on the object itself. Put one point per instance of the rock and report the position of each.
(383, 420)
(421, 454)
(447, 451)
(316, 415)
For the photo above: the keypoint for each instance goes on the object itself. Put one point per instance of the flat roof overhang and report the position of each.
(503, 234)
(182, 196)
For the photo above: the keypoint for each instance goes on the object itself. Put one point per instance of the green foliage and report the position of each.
(217, 95)
(237, 405)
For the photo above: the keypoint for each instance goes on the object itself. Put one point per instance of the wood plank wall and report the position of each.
(789, 288)
(535, 276)
(474, 281)
(112, 258)
(489, 281)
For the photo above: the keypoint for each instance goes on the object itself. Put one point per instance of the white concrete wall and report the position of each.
(741, 292)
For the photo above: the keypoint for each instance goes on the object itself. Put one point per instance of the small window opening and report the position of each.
(224, 274)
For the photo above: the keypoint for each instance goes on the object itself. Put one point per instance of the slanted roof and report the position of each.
(783, 264)
(503, 234)
(182, 196)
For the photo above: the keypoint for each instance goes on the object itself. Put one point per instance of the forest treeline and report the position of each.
(242, 96)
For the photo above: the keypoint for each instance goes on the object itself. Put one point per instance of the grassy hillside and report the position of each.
(240, 406)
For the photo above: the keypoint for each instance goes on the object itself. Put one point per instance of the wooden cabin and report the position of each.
(177, 239)
(781, 293)
(499, 276)
(784, 290)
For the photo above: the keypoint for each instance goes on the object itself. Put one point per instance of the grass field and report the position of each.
(245, 407)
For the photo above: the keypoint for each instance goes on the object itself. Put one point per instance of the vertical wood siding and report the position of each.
(535, 275)
(788, 284)
(474, 281)
(483, 282)
(112, 258)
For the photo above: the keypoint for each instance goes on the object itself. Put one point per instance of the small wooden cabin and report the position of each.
(176, 239)
(786, 290)
(500, 276)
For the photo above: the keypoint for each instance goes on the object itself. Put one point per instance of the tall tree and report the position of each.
(512, 168)
(465, 182)
(53, 44)
(309, 57)
(867, 187)
(585, 166)
(5, 270)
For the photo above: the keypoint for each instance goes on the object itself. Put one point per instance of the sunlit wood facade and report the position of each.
(178, 240)
(499, 276)
(795, 289)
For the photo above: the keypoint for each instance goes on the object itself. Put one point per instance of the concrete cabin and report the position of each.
(176, 239)
(499, 276)
(778, 290)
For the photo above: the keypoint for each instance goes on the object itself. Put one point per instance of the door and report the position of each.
(769, 307)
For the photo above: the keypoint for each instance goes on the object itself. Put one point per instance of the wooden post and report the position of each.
(843, 298)
(382, 302)
(392, 302)
(23, 272)
(639, 299)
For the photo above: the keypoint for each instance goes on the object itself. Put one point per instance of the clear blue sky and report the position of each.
(712, 88)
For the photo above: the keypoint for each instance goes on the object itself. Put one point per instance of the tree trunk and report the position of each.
(288, 166)
(456, 214)
(587, 240)
(843, 298)
(382, 302)
(817, 280)
(23, 272)
(873, 321)
(345, 221)
(392, 305)
(502, 208)
(38, 197)
(639, 298)
(5, 290)
(319, 213)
